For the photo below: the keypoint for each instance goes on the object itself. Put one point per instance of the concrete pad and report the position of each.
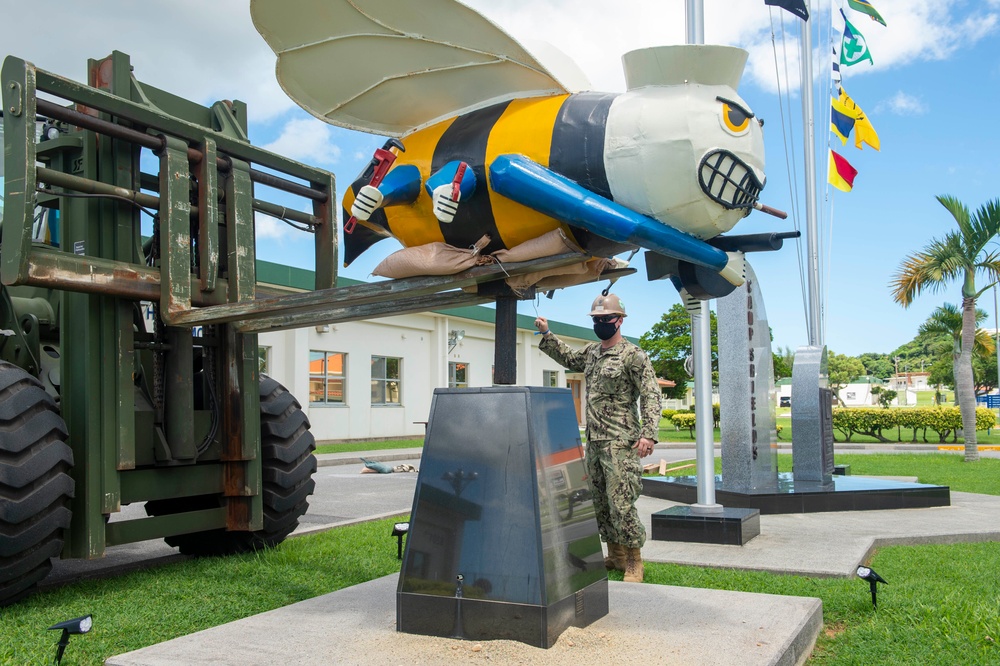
(647, 624)
(833, 543)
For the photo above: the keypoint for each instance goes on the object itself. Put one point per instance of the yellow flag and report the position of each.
(863, 130)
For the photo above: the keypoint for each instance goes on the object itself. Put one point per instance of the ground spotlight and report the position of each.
(78, 625)
(868, 574)
(399, 530)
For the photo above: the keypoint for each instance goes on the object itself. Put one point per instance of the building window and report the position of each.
(326, 377)
(550, 378)
(263, 356)
(458, 375)
(386, 380)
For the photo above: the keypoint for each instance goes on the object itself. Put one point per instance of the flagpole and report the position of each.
(809, 141)
(701, 339)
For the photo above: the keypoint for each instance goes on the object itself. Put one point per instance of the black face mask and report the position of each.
(605, 331)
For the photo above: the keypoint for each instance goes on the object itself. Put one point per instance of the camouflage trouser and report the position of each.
(615, 475)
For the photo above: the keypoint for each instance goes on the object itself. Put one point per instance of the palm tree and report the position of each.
(945, 325)
(958, 255)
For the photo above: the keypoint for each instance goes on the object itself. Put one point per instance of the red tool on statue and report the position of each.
(456, 183)
(378, 167)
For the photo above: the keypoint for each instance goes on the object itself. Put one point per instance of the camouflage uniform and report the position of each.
(617, 378)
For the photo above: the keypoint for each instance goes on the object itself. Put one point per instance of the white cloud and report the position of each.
(919, 30)
(595, 36)
(306, 140)
(270, 228)
(203, 51)
(208, 51)
(902, 104)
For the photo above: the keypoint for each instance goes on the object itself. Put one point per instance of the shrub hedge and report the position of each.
(875, 421)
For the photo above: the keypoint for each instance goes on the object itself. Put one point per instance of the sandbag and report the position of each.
(431, 259)
(563, 276)
(548, 244)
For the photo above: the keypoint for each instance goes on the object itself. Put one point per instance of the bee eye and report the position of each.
(734, 116)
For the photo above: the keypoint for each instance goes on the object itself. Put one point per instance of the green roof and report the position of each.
(867, 379)
(301, 278)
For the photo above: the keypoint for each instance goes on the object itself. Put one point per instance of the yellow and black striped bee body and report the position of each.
(564, 133)
(501, 143)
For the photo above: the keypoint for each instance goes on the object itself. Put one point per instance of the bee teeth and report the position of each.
(727, 180)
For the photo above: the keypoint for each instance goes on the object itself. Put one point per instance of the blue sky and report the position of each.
(931, 95)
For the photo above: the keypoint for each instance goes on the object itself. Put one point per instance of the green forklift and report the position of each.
(129, 365)
(108, 395)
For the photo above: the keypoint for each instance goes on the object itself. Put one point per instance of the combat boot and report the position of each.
(634, 571)
(615, 561)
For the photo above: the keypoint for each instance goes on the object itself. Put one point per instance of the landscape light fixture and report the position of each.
(454, 337)
(868, 574)
(78, 625)
(399, 530)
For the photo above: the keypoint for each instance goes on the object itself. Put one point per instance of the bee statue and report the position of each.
(486, 141)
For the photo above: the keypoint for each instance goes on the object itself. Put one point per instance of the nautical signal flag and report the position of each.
(797, 7)
(863, 130)
(854, 48)
(841, 173)
(865, 7)
(841, 120)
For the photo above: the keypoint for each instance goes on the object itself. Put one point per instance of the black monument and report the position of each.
(503, 543)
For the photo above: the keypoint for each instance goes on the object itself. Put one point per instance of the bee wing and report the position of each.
(391, 67)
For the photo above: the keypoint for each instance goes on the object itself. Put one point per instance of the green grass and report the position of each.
(147, 607)
(940, 606)
(669, 433)
(346, 447)
(943, 469)
(926, 398)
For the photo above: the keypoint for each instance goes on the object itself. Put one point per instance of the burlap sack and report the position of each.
(430, 259)
(546, 245)
(564, 276)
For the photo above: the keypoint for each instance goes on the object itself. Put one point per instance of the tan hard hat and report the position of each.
(604, 305)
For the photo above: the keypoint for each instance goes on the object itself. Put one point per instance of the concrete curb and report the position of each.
(354, 458)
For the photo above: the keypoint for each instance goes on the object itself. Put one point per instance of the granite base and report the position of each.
(730, 526)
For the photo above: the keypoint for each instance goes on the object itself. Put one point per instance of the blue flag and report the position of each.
(797, 7)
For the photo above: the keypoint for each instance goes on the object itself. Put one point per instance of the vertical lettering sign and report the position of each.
(753, 372)
(745, 390)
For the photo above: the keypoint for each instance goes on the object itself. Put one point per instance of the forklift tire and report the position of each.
(35, 484)
(287, 466)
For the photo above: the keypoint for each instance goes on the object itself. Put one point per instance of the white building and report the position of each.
(858, 392)
(375, 379)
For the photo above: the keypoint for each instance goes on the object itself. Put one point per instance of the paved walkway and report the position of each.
(817, 544)
(677, 625)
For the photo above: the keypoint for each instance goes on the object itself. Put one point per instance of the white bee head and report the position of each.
(682, 146)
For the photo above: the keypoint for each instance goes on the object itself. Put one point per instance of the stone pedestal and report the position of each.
(812, 417)
(731, 526)
(503, 543)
